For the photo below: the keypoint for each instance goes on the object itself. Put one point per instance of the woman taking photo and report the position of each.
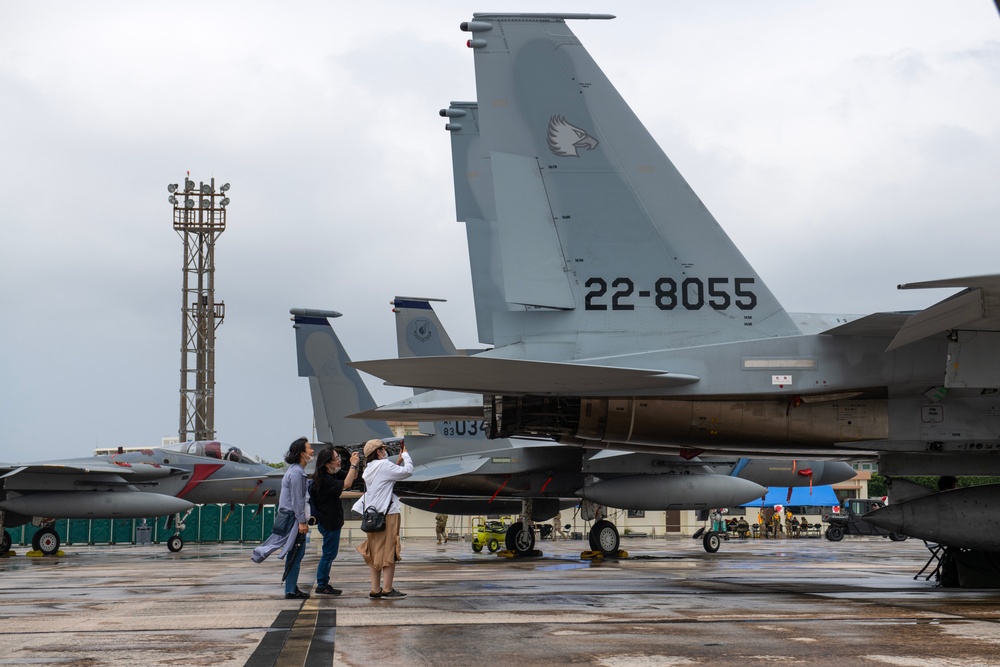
(381, 550)
(332, 476)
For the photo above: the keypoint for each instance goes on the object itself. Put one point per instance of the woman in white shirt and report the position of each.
(381, 550)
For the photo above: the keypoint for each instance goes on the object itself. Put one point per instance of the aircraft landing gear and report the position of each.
(520, 539)
(5, 542)
(604, 538)
(176, 542)
(46, 540)
(711, 541)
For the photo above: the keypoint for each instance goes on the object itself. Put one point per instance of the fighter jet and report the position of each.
(165, 481)
(459, 471)
(623, 315)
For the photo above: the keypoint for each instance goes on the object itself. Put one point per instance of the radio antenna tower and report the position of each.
(199, 219)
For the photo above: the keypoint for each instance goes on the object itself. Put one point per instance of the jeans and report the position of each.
(292, 580)
(331, 545)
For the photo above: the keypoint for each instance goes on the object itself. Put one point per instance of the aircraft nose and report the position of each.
(833, 472)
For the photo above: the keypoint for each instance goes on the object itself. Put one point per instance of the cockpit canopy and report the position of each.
(214, 449)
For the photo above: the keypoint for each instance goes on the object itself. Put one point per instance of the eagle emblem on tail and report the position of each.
(565, 139)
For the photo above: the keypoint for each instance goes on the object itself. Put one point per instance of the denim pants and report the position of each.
(331, 545)
(292, 580)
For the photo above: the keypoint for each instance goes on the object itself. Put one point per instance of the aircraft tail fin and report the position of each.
(476, 207)
(419, 332)
(597, 232)
(336, 388)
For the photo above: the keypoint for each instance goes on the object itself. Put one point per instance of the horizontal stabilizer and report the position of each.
(879, 325)
(429, 406)
(517, 376)
(446, 468)
(975, 309)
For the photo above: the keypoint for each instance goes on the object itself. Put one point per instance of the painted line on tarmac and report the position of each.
(303, 638)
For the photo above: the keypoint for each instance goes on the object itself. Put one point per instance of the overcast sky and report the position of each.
(845, 146)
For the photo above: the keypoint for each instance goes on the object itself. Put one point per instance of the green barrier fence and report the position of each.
(206, 523)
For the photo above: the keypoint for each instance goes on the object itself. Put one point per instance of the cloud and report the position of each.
(843, 148)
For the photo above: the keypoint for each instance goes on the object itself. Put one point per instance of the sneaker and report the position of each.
(373, 594)
(328, 590)
(297, 595)
(394, 594)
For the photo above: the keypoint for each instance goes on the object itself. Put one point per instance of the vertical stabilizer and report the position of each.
(602, 242)
(336, 388)
(475, 206)
(418, 330)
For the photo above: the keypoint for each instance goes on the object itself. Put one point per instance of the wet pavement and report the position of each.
(781, 602)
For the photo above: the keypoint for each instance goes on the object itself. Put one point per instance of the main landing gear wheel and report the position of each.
(5, 542)
(604, 538)
(47, 540)
(519, 540)
(835, 533)
(711, 541)
(175, 543)
(897, 537)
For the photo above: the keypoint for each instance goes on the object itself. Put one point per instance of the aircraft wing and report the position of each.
(481, 374)
(97, 467)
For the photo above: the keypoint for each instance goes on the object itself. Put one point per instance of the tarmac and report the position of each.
(669, 603)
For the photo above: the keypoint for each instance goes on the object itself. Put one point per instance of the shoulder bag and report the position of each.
(373, 521)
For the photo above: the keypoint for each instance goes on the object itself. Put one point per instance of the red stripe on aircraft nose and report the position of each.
(201, 471)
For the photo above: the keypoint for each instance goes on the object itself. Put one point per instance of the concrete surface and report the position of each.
(780, 602)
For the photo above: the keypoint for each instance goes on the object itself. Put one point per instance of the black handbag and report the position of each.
(373, 521)
(283, 522)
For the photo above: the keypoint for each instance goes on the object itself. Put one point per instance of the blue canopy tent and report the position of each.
(822, 496)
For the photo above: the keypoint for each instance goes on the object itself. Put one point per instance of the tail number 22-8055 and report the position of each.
(690, 294)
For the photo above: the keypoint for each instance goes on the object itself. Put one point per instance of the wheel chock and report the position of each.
(9, 553)
(597, 555)
(507, 553)
(39, 554)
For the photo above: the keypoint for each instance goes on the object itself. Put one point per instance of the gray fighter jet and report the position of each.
(165, 481)
(623, 315)
(459, 471)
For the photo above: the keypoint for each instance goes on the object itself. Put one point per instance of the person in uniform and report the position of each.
(441, 527)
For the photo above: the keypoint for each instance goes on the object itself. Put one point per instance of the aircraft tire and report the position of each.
(175, 543)
(897, 537)
(835, 533)
(604, 538)
(711, 541)
(35, 546)
(520, 540)
(5, 542)
(48, 541)
(493, 545)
